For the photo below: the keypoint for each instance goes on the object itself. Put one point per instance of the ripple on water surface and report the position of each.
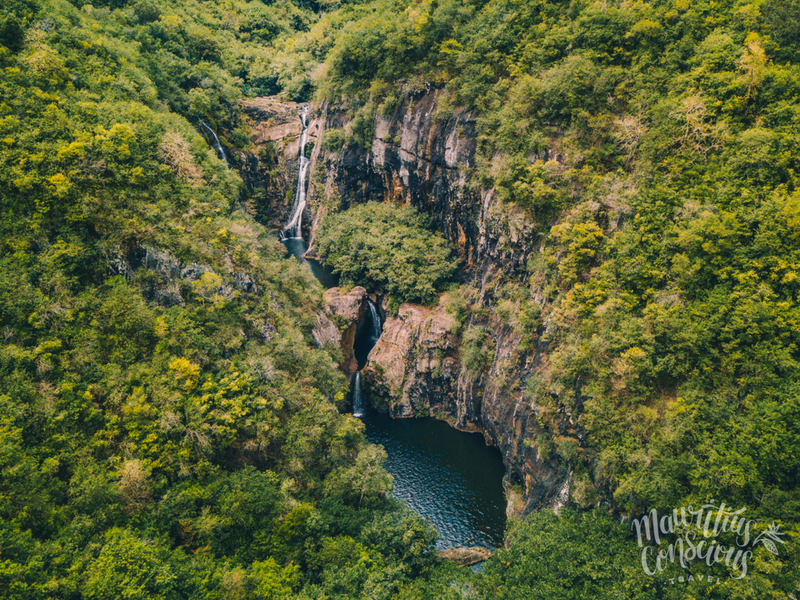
(450, 477)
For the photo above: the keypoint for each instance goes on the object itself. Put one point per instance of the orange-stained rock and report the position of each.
(415, 357)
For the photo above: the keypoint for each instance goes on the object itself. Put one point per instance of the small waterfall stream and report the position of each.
(364, 343)
(376, 321)
(217, 145)
(294, 229)
(358, 406)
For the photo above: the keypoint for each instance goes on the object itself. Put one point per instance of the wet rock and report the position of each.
(421, 156)
(412, 369)
(269, 166)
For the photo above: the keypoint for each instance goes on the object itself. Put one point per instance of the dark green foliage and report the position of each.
(572, 556)
(387, 248)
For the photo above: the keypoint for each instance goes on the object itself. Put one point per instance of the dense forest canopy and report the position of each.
(172, 431)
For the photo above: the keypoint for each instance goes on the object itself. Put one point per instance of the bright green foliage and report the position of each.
(476, 351)
(166, 431)
(130, 567)
(365, 480)
(573, 556)
(386, 248)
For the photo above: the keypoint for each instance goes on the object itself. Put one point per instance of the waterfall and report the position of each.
(294, 229)
(376, 321)
(358, 407)
(217, 145)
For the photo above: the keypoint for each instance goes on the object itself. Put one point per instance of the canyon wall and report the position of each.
(420, 157)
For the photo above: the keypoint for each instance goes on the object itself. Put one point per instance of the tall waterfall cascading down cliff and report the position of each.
(217, 145)
(294, 229)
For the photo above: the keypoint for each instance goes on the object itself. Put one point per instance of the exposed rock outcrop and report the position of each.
(269, 167)
(465, 556)
(347, 312)
(413, 368)
(162, 283)
(325, 332)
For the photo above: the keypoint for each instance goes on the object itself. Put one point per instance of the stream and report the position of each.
(449, 477)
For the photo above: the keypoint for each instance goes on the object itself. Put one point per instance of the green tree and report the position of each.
(386, 248)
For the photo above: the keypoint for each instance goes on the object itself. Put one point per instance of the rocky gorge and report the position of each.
(419, 155)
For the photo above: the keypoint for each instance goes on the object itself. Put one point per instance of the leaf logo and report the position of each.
(769, 537)
(770, 545)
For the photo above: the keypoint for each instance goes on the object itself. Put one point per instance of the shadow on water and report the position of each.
(450, 477)
(297, 247)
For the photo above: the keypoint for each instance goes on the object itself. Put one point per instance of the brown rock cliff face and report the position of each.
(413, 367)
(419, 159)
(348, 312)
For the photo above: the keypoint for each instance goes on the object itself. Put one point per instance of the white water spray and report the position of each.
(294, 229)
(358, 406)
(217, 145)
(376, 321)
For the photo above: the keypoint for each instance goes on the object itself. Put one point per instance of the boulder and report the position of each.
(465, 556)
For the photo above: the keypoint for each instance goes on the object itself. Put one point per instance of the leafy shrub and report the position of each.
(333, 140)
(476, 356)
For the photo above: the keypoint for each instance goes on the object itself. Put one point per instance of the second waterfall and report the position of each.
(294, 229)
(365, 341)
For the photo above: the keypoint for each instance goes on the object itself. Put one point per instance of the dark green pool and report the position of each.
(451, 478)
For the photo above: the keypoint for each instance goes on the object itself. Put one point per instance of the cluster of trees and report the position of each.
(386, 248)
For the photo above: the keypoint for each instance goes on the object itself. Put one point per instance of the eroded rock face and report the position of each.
(346, 311)
(421, 157)
(269, 169)
(413, 367)
(163, 283)
(325, 332)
